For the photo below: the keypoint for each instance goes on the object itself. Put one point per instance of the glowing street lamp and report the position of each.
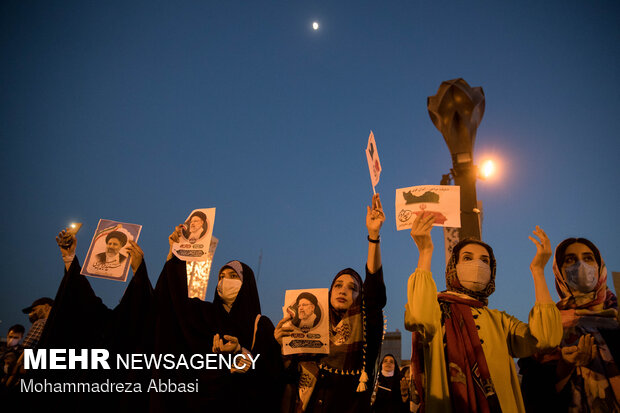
(456, 111)
(487, 169)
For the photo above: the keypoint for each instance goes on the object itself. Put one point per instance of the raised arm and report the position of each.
(174, 237)
(136, 254)
(66, 242)
(422, 313)
(421, 234)
(374, 220)
(543, 253)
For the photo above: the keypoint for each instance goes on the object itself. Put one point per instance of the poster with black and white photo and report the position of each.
(309, 318)
(107, 255)
(195, 239)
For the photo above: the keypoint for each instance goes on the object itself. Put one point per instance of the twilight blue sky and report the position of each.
(140, 111)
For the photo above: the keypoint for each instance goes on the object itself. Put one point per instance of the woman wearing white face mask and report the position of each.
(231, 325)
(583, 373)
(467, 349)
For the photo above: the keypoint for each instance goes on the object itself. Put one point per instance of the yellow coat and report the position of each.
(502, 337)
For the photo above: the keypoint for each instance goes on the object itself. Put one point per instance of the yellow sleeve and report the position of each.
(422, 313)
(543, 331)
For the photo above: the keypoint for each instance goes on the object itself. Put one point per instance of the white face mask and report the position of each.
(473, 275)
(581, 276)
(12, 342)
(227, 289)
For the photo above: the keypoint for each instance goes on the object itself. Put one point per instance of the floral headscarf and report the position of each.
(599, 299)
(452, 281)
(598, 383)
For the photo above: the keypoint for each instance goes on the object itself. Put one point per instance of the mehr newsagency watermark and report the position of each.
(98, 359)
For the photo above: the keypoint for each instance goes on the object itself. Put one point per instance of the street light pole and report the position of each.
(456, 111)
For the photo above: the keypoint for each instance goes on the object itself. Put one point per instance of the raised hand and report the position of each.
(174, 237)
(421, 231)
(543, 249)
(282, 329)
(67, 242)
(374, 217)
(136, 254)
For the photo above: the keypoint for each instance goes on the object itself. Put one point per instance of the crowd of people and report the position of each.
(462, 351)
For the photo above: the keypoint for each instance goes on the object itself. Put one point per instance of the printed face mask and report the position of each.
(473, 275)
(228, 289)
(581, 277)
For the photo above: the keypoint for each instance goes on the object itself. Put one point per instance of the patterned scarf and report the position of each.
(599, 382)
(347, 347)
(471, 387)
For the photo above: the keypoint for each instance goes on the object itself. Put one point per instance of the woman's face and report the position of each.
(578, 252)
(581, 279)
(229, 273)
(195, 224)
(344, 292)
(305, 308)
(388, 364)
(472, 252)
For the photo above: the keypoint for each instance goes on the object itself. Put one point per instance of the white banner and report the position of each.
(444, 201)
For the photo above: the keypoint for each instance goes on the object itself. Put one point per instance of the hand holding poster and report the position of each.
(444, 201)
(309, 318)
(195, 240)
(374, 165)
(107, 255)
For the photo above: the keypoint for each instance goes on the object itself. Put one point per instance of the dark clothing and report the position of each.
(80, 320)
(538, 387)
(388, 398)
(187, 326)
(338, 393)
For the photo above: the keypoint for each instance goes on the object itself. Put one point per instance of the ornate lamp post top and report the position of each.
(456, 111)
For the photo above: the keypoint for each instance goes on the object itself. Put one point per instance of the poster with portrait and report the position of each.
(107, 255)
(195, 240)
(309, 313)
(444, 201)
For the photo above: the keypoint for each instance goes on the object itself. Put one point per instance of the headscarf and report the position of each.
(346, 332)
(597, 301)
(452, 280)
(471, 387)
(396, 367)
(240, 321)
(599, 381)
